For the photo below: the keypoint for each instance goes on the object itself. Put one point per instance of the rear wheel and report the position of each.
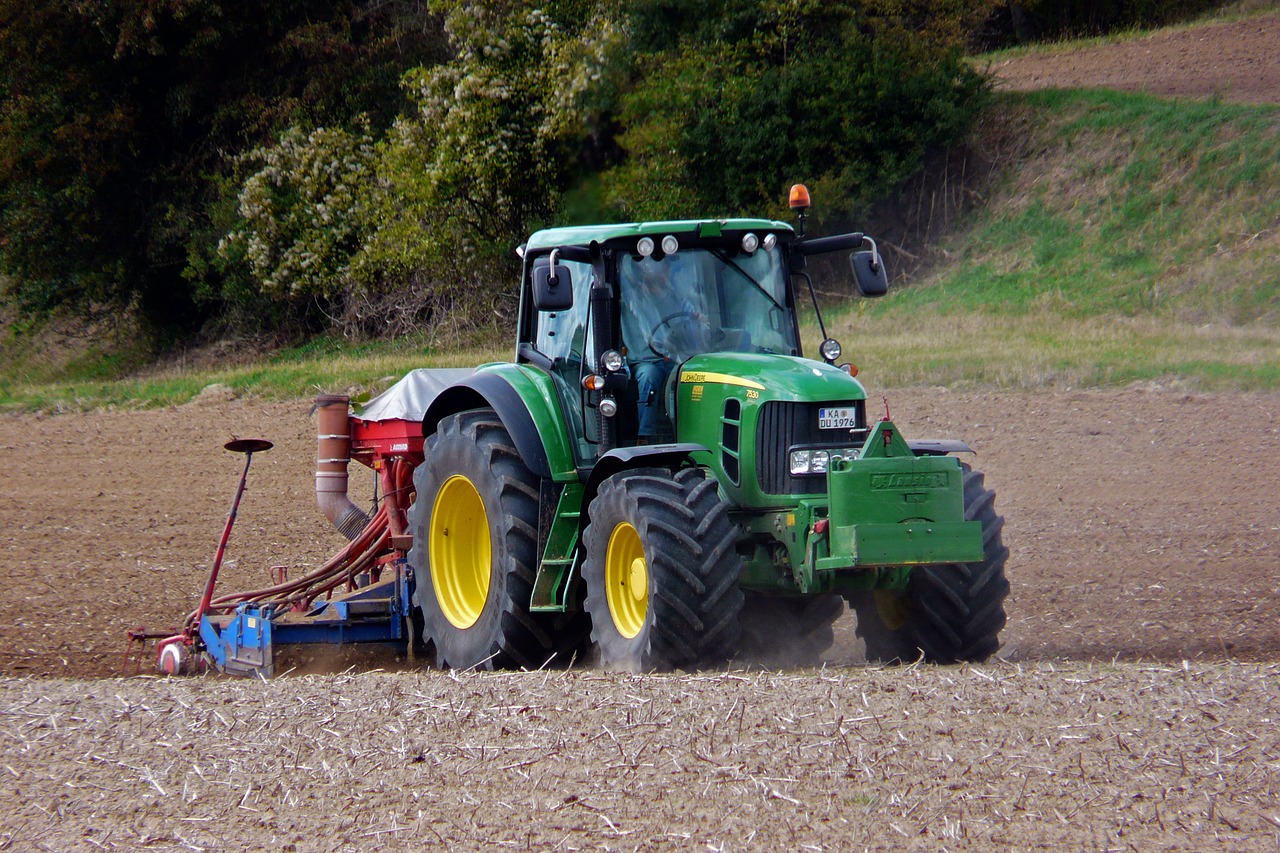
(786, 632)
(475, 533)
(661, 571)
(948, 613)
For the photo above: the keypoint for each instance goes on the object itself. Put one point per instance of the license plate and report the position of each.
(838, 418)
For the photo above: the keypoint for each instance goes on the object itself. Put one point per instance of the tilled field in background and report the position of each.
(1142, 524)
(1235, 61)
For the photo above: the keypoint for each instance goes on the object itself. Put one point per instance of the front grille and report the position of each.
(784, 425)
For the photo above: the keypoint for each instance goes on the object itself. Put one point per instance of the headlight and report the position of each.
(750, 243)
(770, 240)
(670, 245)
(830, 349)
(612, 361)
(608, 407)
(812, 462)
(645, 247)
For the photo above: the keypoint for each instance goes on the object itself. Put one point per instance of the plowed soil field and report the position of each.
(1135, 700)
(1135, 704)
(1235, 61)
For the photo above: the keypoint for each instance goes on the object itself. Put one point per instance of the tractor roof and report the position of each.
(582, 235)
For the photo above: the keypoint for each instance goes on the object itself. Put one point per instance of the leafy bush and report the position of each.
(844, 96)
(445, 196)
(118, 121)
(493, 134)
(301, 211)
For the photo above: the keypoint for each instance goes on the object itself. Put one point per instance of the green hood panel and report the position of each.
(719, 401)
(773, 377)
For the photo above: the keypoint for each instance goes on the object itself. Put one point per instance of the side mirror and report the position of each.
(552, 287)
(868, 272)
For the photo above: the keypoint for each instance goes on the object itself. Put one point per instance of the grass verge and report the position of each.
(321, 366)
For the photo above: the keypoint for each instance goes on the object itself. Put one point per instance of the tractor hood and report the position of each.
(750, 410)
(771, 377)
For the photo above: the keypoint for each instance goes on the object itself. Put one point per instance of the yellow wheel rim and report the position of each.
(891, 607)
(626, 580)
(460, 552)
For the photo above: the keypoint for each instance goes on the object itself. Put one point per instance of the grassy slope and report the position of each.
(1135, 239)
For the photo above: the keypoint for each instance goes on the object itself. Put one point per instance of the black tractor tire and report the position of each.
(780, 633)
(660, 551)
(948, 613)
(475, 611)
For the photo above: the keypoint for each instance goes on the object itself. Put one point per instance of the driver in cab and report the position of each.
(663, 323)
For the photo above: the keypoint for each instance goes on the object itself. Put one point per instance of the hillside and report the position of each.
(1103, 237)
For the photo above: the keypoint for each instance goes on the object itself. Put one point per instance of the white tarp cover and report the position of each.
(408, 399)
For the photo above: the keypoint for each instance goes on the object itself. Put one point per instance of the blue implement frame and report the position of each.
(244, 643)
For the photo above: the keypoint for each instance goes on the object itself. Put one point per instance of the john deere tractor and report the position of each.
(663, 479)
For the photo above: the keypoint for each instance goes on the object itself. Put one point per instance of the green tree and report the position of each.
(494, 134)
(481, 157)
(118, 114)
(847, 96)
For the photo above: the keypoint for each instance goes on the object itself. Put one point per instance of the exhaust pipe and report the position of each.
(333, 452)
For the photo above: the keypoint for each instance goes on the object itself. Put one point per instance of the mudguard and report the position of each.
(525, 402)
(625, 458)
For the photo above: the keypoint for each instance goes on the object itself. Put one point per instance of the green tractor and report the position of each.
(662, 476)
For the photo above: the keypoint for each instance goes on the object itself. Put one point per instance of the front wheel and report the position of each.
(948, 613)
(661, 571)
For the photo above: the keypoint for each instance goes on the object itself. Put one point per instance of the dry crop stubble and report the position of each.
(1002, 756)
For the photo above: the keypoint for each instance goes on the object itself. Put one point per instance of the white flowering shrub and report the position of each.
(484, 155)
(455, 184)
(301, 210)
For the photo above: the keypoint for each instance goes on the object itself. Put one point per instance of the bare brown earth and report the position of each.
(1135, 701)
(1237, 61)
(1143, 524)
(1134, 705)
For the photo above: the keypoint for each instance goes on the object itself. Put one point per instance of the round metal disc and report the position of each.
(248, 445)
(175, 659)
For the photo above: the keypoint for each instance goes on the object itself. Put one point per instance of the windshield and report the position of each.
(704, 300)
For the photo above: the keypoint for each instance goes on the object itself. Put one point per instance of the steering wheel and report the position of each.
(667, 321)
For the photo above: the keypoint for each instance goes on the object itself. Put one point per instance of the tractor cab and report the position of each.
(611, 312)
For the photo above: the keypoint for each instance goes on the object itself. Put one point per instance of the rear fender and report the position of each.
(525, 402)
